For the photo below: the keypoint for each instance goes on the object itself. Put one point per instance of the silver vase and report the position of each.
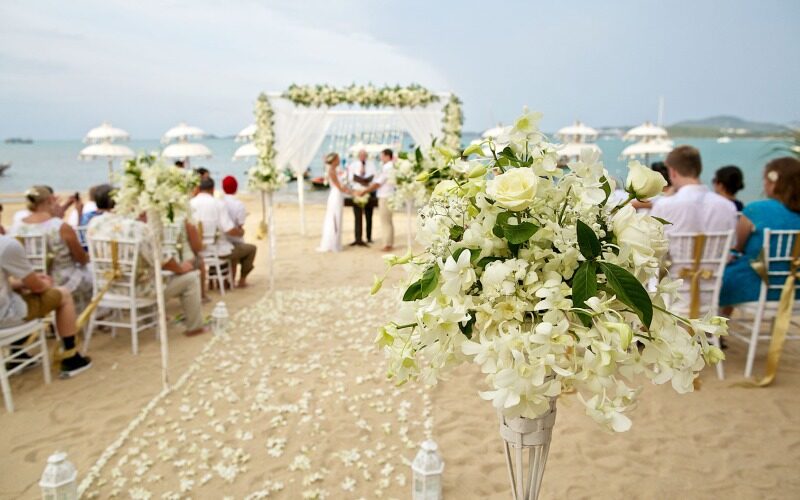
(533, 435)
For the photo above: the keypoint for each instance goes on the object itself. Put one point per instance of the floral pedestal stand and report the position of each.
(534, 435)
(271, 240)
(156, 226)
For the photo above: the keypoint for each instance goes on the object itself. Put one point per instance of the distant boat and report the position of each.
(18, 140)
(4, 167)
(319, 183)
(723, 140)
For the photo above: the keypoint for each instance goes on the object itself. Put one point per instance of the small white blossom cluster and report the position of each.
(367, 96)
(417, 175)
(148, 184)
(532, 276)
(265, 175)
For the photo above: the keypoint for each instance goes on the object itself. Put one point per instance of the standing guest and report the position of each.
(727, 182)
(69, 259)
(202, 172)
(179, 163)
(781, 210)
(186, 280)
(212, 214)
(384, 185)
(26, 295)
(360, 174)
(693, 208)
(245, 252)
(75, 218)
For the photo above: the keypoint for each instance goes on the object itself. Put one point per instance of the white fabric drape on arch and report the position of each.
(423, 124)
(298, 135)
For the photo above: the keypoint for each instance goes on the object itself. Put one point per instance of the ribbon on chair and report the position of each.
(109, 276)
(783, 316)
(695, 274)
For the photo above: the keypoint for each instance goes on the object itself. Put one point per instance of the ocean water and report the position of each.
(56, 163)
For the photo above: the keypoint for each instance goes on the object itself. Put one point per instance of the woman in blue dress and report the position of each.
(781, 210)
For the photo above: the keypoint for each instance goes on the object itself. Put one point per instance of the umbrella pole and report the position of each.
(110, 170)
(271, 235)
(300, 196)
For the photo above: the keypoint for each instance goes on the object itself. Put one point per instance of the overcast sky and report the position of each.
(145, 65)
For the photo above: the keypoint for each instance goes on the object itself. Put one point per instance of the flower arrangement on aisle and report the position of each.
(533, 276)
(147, 184)
(265, 175)
(367, 96)
(452, 122)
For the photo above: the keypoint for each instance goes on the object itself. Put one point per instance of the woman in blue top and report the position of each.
(781, 210)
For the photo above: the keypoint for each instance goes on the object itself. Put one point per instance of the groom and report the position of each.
(360, 174)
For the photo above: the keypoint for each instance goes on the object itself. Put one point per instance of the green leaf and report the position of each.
(459, 251)
(663, 221)
(466, 328)
(403, 155)
(588, 241)
(584, 286)
(629, 291)
(418, 155)
(424, 286)
(456, 233)
(606, 189)
(520, 233)
(474, 149)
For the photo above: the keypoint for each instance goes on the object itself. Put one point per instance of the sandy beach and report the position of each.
(294, 404)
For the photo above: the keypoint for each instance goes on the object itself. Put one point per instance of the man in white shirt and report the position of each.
(360, 175)
(384, 187)
(212, 214)
(244, 252)
(694, 208)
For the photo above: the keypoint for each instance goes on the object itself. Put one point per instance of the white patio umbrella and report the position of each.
(245, 151)
(646, 148)
(247, 133)
(106, 132)
(108, 151)
(186, 150)
(573, 149)
(182, 132)
(645, 131)
(495, 131)
(578, 132)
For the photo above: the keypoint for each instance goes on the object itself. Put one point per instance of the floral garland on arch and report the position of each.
(367, 96)
(452, 122)
(147, 184)
(535, 277)
(264, 175)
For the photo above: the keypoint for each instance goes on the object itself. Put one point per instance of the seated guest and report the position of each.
(92, 209)
(693, 208)
(69, 259)
(727, 182)
(781, 210)
(242, 252)
(186, 280)
(26, 295)
(58, 209)
(76, 217)
(212, 214)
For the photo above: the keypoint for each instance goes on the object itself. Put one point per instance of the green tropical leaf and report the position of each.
(663, 221)
(486, 260)
(520, 233)
(418, 155)
(456, 233)
(588, 242)
(606, 189)
(467, 327)
(584, 286)
(423, 286)
(628, 290)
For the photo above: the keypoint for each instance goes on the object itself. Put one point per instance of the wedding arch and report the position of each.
(304, 115)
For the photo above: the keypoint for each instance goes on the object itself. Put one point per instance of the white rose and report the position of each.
(640, 235)
(515, 189)
(643, 182)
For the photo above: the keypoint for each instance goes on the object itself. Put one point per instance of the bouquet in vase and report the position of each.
(147, 184)
(531, 273)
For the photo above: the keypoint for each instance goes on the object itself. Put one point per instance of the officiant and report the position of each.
(360, 175)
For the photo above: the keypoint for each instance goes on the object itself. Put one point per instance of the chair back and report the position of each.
(684, 253)
(777, 259)
(35, 250)
(101, 255)
(208, 232)
(169, 240)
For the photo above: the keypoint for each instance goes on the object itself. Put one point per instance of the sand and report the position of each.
(299, 365)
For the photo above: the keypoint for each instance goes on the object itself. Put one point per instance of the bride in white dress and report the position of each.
(332, 228)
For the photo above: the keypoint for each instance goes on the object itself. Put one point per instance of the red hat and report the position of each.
(229, 184)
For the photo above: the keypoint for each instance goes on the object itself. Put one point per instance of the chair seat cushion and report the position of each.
(123, 302)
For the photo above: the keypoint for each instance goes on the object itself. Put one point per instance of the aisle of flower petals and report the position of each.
(292, 404)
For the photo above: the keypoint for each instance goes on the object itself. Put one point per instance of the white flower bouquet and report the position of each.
(148, 184)
(531, 275)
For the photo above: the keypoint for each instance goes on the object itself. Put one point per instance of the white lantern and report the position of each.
(427, 468)
(220, 318)
(59, 479)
